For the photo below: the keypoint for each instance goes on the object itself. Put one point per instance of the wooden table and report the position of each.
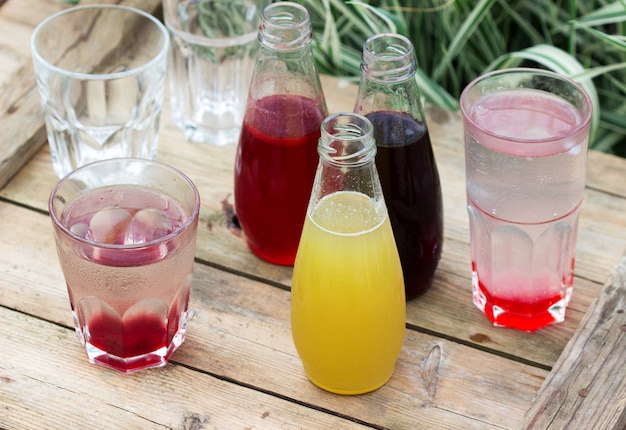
(238, 367)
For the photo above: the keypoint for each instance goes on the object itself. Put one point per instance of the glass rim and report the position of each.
(285, 6)
(272, 30)
(407, 44)
(162, 54)
(194, 214)
(402, 52)
(351, 131)
(585, 115)
(212, 42)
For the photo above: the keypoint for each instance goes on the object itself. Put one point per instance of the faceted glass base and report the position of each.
(129, 364)
(519, 315)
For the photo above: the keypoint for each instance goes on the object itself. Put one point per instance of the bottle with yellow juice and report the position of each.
(347, 298)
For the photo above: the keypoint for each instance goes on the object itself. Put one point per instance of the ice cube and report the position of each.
(148, 225)
(80, 229)
(109, 225)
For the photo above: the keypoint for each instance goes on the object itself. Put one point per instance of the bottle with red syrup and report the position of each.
(277, 156)
(390, 98)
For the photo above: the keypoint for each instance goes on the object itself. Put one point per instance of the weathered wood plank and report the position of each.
(31, 12)
(240, 330)
(605, 172)
(22, 125)
(46, 383)
(14, 51)
(586, 388)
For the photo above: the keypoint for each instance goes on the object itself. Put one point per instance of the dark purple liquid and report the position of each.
(410, 181)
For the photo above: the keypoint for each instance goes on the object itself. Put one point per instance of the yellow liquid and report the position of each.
(347, 297)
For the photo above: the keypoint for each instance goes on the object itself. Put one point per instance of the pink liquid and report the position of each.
(129, 286)
(525, 185)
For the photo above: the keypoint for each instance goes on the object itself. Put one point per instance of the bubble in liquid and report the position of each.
(148, 225)
(109, 226)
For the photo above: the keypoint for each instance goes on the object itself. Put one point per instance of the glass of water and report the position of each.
(526, 137)
(101, 72)
(214, 48)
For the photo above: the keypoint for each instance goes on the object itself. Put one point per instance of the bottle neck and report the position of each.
(388, 57)
(347, 151)
(388, 80)
(285, 26)
(347, 141)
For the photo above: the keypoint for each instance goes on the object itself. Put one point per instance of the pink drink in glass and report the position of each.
(127, 254)
(525, 167)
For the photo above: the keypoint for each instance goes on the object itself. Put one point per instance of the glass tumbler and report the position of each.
(125, 232)
(100, 71)
(526, 137)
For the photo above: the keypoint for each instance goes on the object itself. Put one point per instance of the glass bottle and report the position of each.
(347, 297)
(389, 97)
(276, 156)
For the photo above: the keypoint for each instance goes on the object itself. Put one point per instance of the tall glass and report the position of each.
(125, 231)
(526, 137)
(214, 47)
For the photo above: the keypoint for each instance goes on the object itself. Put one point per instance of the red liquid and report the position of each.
(131, 343)
(140, 335)
(274, 172)
(518, 313)
(412, 190)
(130, 304)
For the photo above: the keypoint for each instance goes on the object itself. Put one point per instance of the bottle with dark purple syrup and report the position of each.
(389, 97)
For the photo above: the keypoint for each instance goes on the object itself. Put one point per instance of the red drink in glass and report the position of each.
(526, 149)
(274, 172)
(127, 254)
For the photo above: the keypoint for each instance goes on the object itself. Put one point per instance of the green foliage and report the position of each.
(458, 40)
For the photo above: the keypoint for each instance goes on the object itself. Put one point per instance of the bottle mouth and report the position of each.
(388, 57)
(347, 139)
(285, 26)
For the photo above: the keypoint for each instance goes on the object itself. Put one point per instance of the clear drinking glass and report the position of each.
(125, 232)
(214, 47)
(100, 71)
(526, 137)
